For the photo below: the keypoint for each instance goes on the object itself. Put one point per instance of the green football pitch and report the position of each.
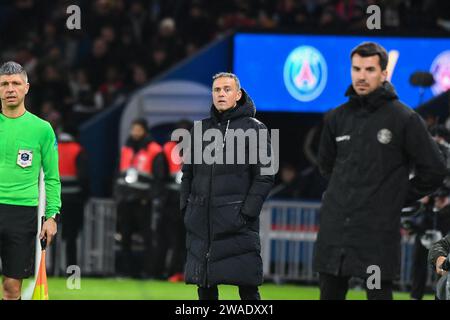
(129, 289)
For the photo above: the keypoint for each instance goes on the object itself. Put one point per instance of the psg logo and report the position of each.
(440, 68)
(305, 73)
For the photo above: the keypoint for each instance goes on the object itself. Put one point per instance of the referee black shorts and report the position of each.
(18, 230)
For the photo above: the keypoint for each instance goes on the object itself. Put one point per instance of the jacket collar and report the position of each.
(372, 101)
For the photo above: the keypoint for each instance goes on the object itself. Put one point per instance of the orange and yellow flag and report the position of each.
(41, 288)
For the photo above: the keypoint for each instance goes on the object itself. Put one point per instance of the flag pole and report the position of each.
(28, 292)
(40, 214)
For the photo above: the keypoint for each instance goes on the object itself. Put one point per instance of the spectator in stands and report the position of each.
(329, 19)
(168, 39)
(241, 16)
(139, 21)
(108, 33)
(97, 63)
(290, 14)
(391, 14)
(138, 77)
(159, 61)
(197, 26)
(53, 116)
(27, 59)
(112, 86)
(54, 87)
(86, 102)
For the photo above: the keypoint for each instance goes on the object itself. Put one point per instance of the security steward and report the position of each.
(140, 159)
(74, 191)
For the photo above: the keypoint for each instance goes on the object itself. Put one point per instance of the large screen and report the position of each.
(310, 73)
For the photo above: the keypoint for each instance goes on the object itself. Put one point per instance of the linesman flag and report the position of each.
(41, 287)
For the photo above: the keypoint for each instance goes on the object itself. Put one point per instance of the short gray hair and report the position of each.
(228, 75)
(11, 67)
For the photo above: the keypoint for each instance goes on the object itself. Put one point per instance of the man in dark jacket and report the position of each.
(368, 148)
(438, 257)
(438, 254)
(222, 200)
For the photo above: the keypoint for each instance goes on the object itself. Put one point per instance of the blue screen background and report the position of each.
(259, 61)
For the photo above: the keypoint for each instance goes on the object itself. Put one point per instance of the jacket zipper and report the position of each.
(208, 216)
(210, 231)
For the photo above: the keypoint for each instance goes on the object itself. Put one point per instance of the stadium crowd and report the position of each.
(124, 44)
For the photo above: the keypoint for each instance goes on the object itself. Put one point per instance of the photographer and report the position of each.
(439, 257)
(428, 225)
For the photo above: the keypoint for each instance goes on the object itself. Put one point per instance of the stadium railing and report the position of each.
(95, 244)
(288, 232)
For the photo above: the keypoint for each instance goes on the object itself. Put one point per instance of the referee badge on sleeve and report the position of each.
(25, 158)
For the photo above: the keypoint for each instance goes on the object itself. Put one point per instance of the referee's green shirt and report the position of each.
(28, 143)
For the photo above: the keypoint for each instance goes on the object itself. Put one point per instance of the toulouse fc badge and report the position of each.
(25, 158)
(384, 136)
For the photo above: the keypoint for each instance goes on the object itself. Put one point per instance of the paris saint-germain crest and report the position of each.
(305, 73)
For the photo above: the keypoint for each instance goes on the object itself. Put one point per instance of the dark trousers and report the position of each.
(134, 217)
(336, 287)
(245, 293)
(72, 224)
(419, 269)
(169, 253)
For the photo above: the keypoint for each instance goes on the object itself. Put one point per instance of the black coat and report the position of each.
(367, 149)
(221, 205)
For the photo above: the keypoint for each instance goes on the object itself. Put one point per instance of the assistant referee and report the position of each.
(27, 143)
